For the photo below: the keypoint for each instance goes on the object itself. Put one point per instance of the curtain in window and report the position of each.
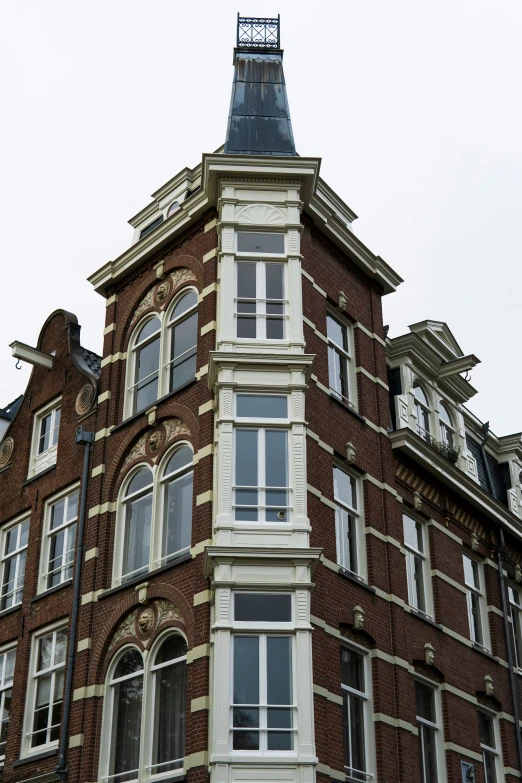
(169, 707)
(126, 722)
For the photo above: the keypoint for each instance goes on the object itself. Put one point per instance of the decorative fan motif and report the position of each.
(261, 215)
(6, 451)
(85, 399)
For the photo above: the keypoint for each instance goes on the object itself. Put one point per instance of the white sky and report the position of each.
(414, 107)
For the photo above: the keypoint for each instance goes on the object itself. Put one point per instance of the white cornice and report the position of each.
(410, 444)
(260, 362)
(295, 555)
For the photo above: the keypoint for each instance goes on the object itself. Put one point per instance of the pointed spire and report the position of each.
(259, 121)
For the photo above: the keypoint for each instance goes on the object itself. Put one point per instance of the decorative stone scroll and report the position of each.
(6, 451)
(150, 443)
(143, 621)
(160, 294)
(85, 399)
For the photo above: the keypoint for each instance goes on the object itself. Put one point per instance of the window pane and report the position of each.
(245, 717)
(184, 371)
(45, 432)
(249, 242)
(184, 335)
(126, 727)
(356, 707)
(246, 327)
(56, 427)
(352, 669)
(345, 488)
(279, 718)
(413, 534)
(246, 670)
(180, 459)
(275, 329)
(279, 670)
(169, 716)
(337, 373)
(489, 768)
(487, 736)
(280, 740)
(60, 647)
(347, 539)
(424, 702)
(147, 359)
(419, 601)
(57, 514)
(72, 506)
(9, 666)
(146, 394)
(185, 303)
(130, 662)
(246, 458)
(246, 280)
(141, 479)
(173, 647)
(444, 415)
(178, 514)
(258, 607)
(429, 753)
(11, 540)
(147, 329)
(264, 406)
(471, 574)
(420, 395)
(137, 535)
(274, 281)
(45, 647)
(246, 740)
(276, 458)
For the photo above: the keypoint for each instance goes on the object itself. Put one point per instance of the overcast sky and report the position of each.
(414, 107)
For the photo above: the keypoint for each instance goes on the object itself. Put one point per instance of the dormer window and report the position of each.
(447, 430)
(174, 207)
(148, 229)
(422, 410)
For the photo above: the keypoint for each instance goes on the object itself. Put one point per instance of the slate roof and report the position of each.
(92, 360)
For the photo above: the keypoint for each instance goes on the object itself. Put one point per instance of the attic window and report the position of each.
(173, 208)
(151, 227)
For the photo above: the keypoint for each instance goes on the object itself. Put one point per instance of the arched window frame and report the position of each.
(156, 558)
(426, 433)
(448, 434)
(165, 333)
(147, 714)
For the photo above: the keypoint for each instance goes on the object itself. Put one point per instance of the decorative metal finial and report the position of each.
(257, 33)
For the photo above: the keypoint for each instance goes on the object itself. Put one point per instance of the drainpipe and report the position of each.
(512, 678)
(505, 607)
(85, 439)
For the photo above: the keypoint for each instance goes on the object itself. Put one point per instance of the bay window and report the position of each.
(355, 703)
(261, 486)
(417, 564)
(349, 535)
(340, 360)
(260, 299)
(14, 553)
(45, 690)
(429, 733)
(154, 515)
(7, 665)
(262, 698)
(134, 748)
(475, 600)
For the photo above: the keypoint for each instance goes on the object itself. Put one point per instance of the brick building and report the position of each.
(256, 540)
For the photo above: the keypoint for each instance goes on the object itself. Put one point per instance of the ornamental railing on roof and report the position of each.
(256, 33)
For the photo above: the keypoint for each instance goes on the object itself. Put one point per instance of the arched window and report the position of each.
(126, 687)
(138, 522)
(154, 519)
(183, 338)
(422, 409)
(146, 362)
(447, 429)
(135, 749)
(177, 483)
(169, 672)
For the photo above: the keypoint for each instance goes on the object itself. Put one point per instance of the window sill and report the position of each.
(426, 618)
(36, 757)
(145, 577)
(142, 412)
(39, 474)
(52, 590)
(11, 609)
(481, 650)
(356, 579)
(347, 407)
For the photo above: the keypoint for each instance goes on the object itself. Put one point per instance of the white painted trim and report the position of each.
(111, 300)
(358, 325)
(326, 694)
(91, 553)
(397, 723)
(88, 692)
(321, 497)
(211, 254)
(371, 377)
(462, 751)
(104, 433)
(448, 580)
(205, 497)
(84, 644)
(202, 598)
(95, 510)
(76, 740)
(98, 470)
(210, 225)
(114, 357)
(210, 327)
(314, 284)
(109, 328)
(209, 289)
(320, 442)
(208, 406)
(91, 597)
(106, 395)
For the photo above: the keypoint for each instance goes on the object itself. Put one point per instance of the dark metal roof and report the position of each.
(10, 411)
(498, 472)
(92, 360)
(259, 121)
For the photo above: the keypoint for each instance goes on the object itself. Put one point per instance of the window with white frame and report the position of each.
(14, 553)
(263, 709)
(162, 352)
(488, 747)
(430, 735)
(59, 542)
(422, 412)
(261, 484)
(340, 354)
(349, 533)
(447, 429)
(46, 429)
(417, 564)
(473, 579)
(154, 521)
(7, 665)
(46, 681)
(261, 304)
(515, 620)
(355, 719)
(134, 748)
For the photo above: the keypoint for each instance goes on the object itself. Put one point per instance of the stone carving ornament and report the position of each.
(6, 451)
(175, 427)
(162, 290)
(144, 621)
(138, 450)
(85, 399)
